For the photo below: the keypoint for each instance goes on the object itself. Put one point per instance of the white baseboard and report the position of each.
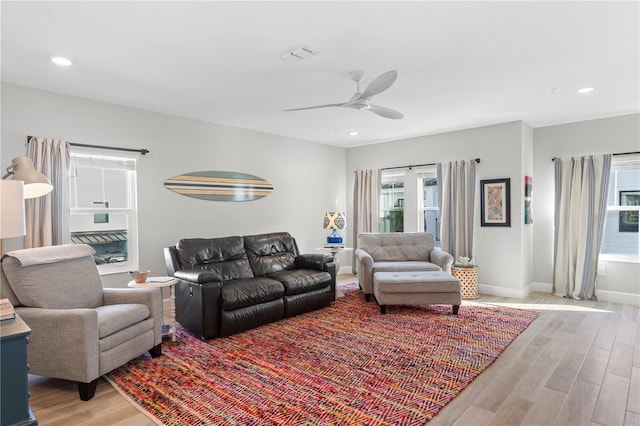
(345, 270)
(618, 297)
(493, 290)
(604, 295)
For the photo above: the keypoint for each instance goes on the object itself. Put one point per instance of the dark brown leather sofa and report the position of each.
(231, 284)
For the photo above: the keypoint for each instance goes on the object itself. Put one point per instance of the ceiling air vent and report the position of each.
(298, 54)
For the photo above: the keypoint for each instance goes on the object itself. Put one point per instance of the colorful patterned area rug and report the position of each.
(342, 365)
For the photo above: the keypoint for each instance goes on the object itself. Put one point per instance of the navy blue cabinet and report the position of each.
(14, 395)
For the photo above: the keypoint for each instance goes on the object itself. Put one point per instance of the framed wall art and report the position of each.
(528, 191)
(495, 202)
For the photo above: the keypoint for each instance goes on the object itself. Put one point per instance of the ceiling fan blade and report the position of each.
(315, 107)
(380, 84)
(386, 112)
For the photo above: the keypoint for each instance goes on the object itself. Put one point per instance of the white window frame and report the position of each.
(425, 172)
(131, 211)
(623, 163)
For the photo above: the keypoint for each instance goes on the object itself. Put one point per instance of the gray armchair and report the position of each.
(397, 251)
(80, 331)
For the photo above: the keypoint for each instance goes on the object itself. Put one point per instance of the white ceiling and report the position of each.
(460, 64)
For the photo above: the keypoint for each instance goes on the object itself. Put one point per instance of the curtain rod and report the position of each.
(411, 166)
(615, 153)
(141, 151)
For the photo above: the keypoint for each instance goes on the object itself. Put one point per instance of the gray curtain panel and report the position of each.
(366, 201)
(48, 217)
(456, 195)
(581, 189)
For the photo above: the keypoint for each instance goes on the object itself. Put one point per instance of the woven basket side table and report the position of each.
(468, 276)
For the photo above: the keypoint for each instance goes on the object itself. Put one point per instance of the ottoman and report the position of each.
(416, 288)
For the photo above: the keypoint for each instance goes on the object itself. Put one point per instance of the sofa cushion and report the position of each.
(225, 256)
(65, 284)
(250, 291)
(298, 281)
(270, 253)
(405, 266)
(397, 246)
(113, 318)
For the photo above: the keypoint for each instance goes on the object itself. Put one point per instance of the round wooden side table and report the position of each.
(468, 276)
(168, 305)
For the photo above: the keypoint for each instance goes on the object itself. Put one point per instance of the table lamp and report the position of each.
(35, 183)
(334, 221)
(12, 220)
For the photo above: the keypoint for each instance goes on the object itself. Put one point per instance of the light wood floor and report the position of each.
(577, 364)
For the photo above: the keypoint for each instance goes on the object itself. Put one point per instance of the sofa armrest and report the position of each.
(441, 258)
(151, 297)
(199, 277)
(364, 271)
(199, 302)
(72, 334)
(313, 261)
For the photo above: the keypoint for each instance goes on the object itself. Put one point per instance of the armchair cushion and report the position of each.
(66, 284)
(113, 318)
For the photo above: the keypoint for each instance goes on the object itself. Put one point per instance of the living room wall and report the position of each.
(308, 178)
(499, 251)
(608, 135)
(513, 261)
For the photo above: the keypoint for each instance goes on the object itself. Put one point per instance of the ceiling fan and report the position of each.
(361, 100)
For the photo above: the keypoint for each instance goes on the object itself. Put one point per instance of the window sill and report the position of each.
(619, 258)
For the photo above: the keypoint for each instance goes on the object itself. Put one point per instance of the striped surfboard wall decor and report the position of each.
(220, 186)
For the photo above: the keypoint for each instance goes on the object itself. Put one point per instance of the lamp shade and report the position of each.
(35, 183)
(12, 222)
(334, 220)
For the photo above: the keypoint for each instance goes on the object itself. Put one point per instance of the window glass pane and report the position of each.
(116, 188)
(431, 211)
(392, 202)
(86, 187)
(108, 238)
(616, 242)
(621, 238)
(430, 192)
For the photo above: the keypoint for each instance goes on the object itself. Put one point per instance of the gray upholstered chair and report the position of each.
(395, 252)
(80, 331)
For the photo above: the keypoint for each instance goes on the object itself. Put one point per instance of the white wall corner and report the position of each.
(541, 287)
(493, 290)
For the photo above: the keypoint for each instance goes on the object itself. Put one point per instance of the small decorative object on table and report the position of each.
(467, 272)
(168, 305)
(334, 221)
(140, 275)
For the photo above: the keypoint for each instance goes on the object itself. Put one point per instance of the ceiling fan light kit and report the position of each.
(361, 100)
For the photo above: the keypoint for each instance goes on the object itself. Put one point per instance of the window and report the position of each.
(392, 201)
(104, 209)
(621, 239)
(429, 208)
(409, 201)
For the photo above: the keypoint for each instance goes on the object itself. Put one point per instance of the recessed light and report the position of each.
(59, 60)
(353, 133)
(585, 90)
